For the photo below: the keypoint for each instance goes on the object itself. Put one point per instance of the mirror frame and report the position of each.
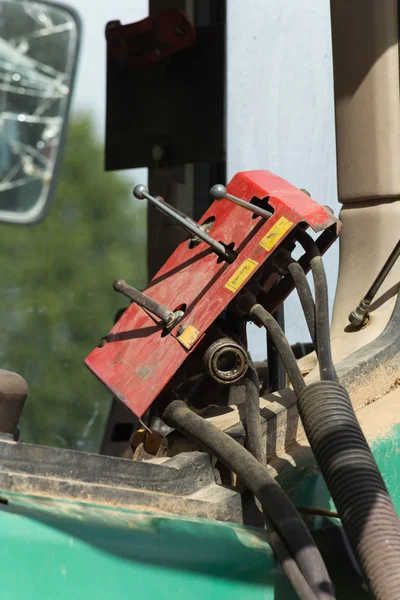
(33, 216)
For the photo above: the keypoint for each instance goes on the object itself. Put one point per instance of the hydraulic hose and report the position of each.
(258, 313)
(300, 281)
(355, 483)
(323, 344)
(288, 564)
(342, 452)
(253, 422)
(277, 506)
(323, 334)
(276, 370)
(345, 459)
(305, 296)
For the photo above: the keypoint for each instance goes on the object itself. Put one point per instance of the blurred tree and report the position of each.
(57, 296)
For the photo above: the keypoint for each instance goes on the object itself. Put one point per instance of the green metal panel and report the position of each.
(57, 549)
(64, 550)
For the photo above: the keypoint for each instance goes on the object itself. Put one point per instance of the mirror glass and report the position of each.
(38, 53)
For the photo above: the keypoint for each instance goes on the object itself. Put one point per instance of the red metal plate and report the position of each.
(137, 362)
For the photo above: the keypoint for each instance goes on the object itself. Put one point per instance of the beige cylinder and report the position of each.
(365, 36)
(367, 99)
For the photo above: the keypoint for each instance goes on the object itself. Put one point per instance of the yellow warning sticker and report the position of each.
(276, 232)
(241, 274)
(189, 336)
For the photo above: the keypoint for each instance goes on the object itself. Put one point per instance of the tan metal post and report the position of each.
(365, 35)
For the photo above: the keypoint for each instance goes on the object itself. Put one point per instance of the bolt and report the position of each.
(359, 316)
(180, 329)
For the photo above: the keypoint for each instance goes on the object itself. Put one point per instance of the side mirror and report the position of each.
(39, 43)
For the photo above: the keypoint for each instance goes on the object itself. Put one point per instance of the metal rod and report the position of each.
(218, 192)
(178, 212)
(140, 192)
(161, 311)
(358, 316)
(276, 369)
(394, 255)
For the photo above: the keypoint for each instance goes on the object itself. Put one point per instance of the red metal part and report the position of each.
(137, 361)
(152, 39)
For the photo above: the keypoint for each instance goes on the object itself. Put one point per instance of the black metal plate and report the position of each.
(176, 105)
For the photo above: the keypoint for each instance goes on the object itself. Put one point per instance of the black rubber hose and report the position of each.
(323, 334)
(255, 445)
(288, 564)
(258, 313)
(254, 436)
(300, 281)
(344, 457)
(276, 368)
(256, 478)
(355, 483)
(322, 329)
(304, 292)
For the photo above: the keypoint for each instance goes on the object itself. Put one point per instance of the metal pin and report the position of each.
(178, 212)
(168, 317)
(218, 192)
(141, 191)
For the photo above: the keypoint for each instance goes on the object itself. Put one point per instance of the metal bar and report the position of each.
(162, 312)
(178, 212)
(140, 192)
(358, 316)
(187, 229)
(218, 192)
(276, 370)
(384, 272)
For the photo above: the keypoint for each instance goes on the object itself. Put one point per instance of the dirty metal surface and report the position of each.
(181, 485)
(138, 361)
(171, 557)
(60, 548)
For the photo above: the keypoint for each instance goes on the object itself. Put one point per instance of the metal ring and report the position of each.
(226, 361)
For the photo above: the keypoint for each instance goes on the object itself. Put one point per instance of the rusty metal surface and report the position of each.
(138, 361)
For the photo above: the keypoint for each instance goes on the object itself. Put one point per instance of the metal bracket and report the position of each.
(152, 39)
(161, 114)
